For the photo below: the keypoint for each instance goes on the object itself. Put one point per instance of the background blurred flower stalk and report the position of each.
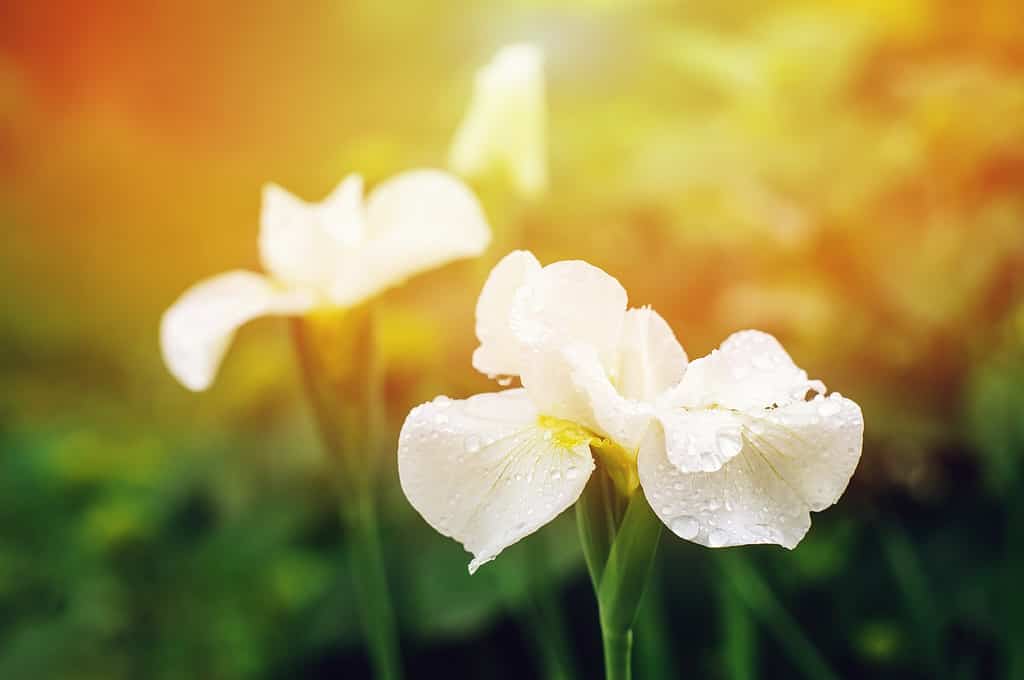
(343, 378)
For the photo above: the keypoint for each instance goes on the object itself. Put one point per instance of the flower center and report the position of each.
(617, 460)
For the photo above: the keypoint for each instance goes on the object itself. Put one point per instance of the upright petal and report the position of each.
(787, 462)
(597, 403)
(566, 304)
(500, 353)
(196, 330)
(651, 360)
(505, 123)
(750, 370)
(569, 302)
(485, 472)
(342, 215)
(304, 244)
(415, 221)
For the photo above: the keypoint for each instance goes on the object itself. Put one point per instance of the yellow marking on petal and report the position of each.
(618, 461)
(565, 433)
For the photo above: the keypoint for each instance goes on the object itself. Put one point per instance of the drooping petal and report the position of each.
(793, 459)
(750, 370)
(485, 472)
(651, 360)
(304, 244)
(701, 440)
(499, 352)
(196, 330)
(505, 123)
(416, 221)
(741, 503)
(814, 445)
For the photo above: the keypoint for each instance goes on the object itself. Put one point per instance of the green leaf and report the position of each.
(629, 565)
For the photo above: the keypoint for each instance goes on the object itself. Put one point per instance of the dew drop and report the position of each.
(572, 473)
(440, 419)
(472, 444)
(717, 538)
(556, 474)
(729, 444)
(829, 407)
(505, 380)
(685, 527)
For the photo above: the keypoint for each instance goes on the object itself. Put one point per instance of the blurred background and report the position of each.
(848, 175)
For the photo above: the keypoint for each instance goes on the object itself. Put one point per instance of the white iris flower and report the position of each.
(332, 254)
(504, 126)
(734, 448)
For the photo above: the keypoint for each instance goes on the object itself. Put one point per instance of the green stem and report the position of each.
(619, 547)
(654, 659)
(372, 594)
(739, 636)
(544, 615)
(595, 527)
(347, 410)
(618, 650)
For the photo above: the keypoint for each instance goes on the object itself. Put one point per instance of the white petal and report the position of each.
(505, 123)
(739, 504)
(196, 330)
(750, 370)
(499, 352)
(814, 445)
(651, 360)
(342, 214)
(598, 404)
(305, 244)
(701, 440)
(565, 304)
(484, 472)
(415, 221)
(794, 459)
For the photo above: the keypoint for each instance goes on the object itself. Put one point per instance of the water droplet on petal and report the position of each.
(729, 444)
(440, 419)
(717, 538)
(685, 527)
(829, 407)
(472, 444)
(505, 380)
